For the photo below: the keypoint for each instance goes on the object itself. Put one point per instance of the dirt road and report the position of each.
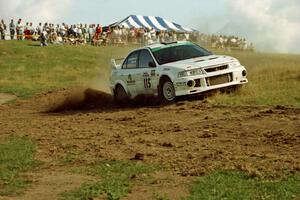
(189, 137)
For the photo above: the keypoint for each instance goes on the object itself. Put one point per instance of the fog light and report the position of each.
(244, 73)
(190, 83)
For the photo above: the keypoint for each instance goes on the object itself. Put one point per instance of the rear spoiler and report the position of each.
(115, 63)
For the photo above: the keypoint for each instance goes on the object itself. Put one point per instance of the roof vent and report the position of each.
(166, 43)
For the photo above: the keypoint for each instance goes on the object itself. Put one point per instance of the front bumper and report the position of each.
(210, 81)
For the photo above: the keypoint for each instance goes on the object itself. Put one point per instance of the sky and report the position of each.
(272, 25)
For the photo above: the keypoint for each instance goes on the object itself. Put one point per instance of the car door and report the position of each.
(147, 79)
(128, 73)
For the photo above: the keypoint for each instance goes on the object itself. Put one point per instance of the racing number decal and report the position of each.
(147, 82)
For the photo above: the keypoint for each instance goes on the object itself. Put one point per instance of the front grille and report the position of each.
(197, 83)
(217, 80)
(217, 68)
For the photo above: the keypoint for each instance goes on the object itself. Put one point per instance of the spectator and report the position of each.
(46, 28)
(2, 29)
(98, 32)
(132, 36)
(96, 35)
(31, 29)
(43, 38)
(27, 31)
(12, 29)
(57, 29)
(186, 36)
(75, 31)
(19, 29)
(153, 34)
(63, 30)
(71, 31)
(91, 33)
(79, 31)
(39, 28)
(85, 31)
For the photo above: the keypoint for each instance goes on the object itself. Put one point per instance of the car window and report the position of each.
(144, 59)
(132, 61)
(180, 52)
(124, 64)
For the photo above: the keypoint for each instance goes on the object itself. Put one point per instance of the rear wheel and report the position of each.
(166, 91)
(121, 96)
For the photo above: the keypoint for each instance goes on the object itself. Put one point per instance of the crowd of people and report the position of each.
(97, 35)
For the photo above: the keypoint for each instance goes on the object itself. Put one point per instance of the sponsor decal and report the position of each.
(146, 74)
(152, 72)
(180, 84)
(130, 81)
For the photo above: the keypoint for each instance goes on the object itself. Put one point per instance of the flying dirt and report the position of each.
(80, 98)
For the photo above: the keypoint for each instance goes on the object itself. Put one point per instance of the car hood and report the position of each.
(201, 62)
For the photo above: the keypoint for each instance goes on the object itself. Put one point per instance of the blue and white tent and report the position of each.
(157, 23)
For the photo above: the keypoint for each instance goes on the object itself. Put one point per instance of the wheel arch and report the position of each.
(122, 84)
(162, 79)
(164, 76)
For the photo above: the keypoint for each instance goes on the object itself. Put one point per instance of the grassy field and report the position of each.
(116, 180)
(27, 69)
(236, 185)
(16, 157)
(273, 79)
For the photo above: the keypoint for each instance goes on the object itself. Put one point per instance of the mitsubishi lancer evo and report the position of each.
(169, 70)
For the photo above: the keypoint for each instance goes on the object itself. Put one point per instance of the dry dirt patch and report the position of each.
(49, 184)
(190, 138)
(4, 98)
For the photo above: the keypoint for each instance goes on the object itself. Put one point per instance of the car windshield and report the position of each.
(179, 52)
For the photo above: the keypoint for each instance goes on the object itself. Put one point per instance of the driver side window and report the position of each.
(145, 58)
(131, 61)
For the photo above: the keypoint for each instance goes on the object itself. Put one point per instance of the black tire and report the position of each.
(166, 91)
(120, 96)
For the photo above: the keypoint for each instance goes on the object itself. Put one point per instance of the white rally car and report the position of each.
(174, 69)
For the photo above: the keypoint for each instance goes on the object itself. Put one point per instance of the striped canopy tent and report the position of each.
(157, 23)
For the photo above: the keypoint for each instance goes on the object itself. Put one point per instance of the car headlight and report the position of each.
(195, 72)
(182, 74)
(235, 64)
(192, 72)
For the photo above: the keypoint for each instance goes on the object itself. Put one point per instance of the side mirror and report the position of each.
(152, 64)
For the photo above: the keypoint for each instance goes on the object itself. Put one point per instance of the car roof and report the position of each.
(159, 46)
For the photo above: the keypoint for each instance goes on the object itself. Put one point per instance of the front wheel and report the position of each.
(166, 91)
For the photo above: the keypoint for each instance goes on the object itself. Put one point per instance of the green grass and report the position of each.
(238, 185)
(116, 180)
(274, 79)
(26, 70)
(16, 156)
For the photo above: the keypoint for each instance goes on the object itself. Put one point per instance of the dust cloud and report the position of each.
(272, 25)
